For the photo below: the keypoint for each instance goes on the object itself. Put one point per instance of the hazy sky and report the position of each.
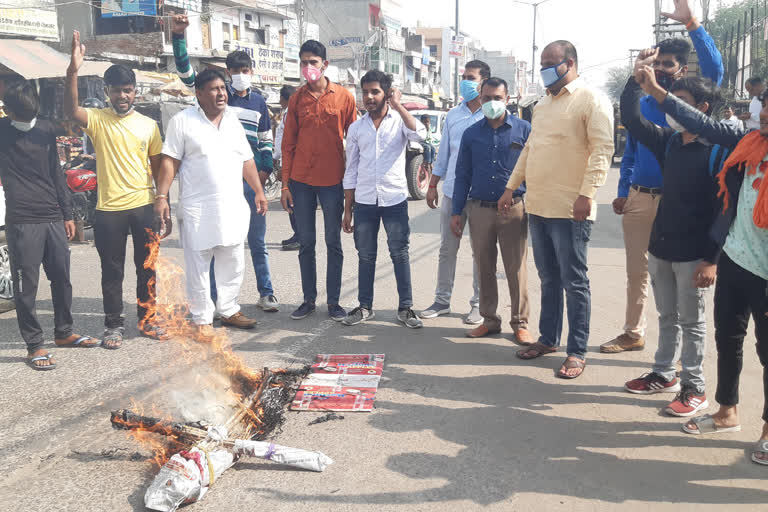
(602, 30)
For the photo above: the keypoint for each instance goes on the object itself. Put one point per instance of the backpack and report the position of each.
(717, 155)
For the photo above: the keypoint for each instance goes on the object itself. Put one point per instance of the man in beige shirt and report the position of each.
(565, 161)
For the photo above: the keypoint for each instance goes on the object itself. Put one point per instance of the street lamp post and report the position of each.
(535, 6)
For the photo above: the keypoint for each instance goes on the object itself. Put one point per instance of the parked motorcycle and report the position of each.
(81, 180)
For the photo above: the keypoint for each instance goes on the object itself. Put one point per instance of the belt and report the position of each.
(655, 191)
(494, 204)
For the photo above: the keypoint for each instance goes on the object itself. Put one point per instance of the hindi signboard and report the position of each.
(121, 8)
(40, 23)
(268, 63)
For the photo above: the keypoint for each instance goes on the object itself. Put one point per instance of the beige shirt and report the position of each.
(568, 152)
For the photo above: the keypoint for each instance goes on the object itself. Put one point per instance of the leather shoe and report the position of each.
(481, 331)
(522, 337)
(238, 321)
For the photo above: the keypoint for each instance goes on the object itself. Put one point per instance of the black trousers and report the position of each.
(110, 231)
(29, 245)
(738, 294)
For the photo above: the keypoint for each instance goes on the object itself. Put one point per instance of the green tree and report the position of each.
(617, 79)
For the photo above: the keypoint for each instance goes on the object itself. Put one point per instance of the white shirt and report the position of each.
(376, 159)
(458, 119)
(278, 151)
(753, 123)
(735, 122)
(212, 209)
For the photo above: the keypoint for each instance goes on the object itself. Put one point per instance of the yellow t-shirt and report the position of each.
(123, 146)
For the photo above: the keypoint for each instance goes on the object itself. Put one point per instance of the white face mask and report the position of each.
(24, 127)
(241, 82)
(674, 124)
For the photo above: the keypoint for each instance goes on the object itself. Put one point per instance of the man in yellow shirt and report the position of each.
(128, 150)
(565, 161)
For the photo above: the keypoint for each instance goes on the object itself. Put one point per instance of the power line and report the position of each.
(116, 11)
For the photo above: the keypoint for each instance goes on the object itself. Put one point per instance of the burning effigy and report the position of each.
(226, 410)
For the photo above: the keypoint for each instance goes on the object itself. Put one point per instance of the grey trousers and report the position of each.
(30, 245)
(446, 261)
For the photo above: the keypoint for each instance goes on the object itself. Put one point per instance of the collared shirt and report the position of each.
(212, 210)
(568, 153)
(458, 119)
(376, 159)
(755, 106)
(746, 243)
(313, 148)
(486, 159)
(252, 111)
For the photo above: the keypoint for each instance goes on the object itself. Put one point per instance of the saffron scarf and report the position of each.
(746, 157)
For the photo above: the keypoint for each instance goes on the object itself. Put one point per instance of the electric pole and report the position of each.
(535, 6)
(456, 81)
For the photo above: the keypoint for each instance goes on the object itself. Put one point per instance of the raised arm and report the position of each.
(179, 24)
(643, 131)
(72, 108)
(710, 59)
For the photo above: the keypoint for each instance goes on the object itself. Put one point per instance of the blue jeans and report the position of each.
(560, 253)
(395, 220)
(305, 198)
(257, 232)
(429, 152)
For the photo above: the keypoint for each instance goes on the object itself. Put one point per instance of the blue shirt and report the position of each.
(458, 119)
(639, 165)
(486, 159)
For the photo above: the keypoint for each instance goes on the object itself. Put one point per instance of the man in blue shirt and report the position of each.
(640, 185)
(488, 154)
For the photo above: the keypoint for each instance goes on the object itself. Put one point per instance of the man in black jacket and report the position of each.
(38, 221)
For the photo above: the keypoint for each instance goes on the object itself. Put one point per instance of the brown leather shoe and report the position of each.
(205, 333)
(522, 337)
(238, 321)
(481, 331)
(622, 343)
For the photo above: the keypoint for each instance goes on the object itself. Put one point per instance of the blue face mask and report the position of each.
(550, 76)
(468, 90)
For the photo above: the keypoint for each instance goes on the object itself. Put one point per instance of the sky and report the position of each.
(603, 30)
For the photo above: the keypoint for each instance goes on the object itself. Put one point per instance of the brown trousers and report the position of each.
(510, 231)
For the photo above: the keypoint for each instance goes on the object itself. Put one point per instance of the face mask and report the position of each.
(24, 127)
(311, 73)
(665, 80)
(468, 90)
(494, 109)
(550, 76)
(241, 82)
(674, 124)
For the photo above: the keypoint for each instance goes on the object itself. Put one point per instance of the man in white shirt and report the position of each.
(374, 182)
(755, 88)
(207, 146)
(730, 119)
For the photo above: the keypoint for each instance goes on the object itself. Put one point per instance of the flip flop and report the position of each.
(760, 447)
(46, 357)
(538, 349)
(569, 364)
(80, 342)
(706, 425)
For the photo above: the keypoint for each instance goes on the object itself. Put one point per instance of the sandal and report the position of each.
(79, 341)
(538, 349)
(113, 339)
(47, 357)
(155, 332)
(760, 447)
(706, 425)
(569, 364)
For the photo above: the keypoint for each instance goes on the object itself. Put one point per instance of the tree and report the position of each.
(617, 79)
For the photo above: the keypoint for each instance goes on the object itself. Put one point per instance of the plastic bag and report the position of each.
(295, 457)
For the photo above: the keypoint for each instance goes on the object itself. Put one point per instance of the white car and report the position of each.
(6, 285)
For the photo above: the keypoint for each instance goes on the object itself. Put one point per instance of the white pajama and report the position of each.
(229, 266)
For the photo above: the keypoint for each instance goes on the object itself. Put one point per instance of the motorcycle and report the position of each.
(81, 180)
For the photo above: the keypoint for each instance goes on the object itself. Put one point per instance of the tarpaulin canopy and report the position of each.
(33, 59)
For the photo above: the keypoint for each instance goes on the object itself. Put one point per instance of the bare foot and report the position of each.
(41, 362)
(572, 367)
(88, 342)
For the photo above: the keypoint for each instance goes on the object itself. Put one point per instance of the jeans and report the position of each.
(446, 259)
(305, 198)
(257, 232)
(681, 319)
(429, 152)
(395, 220)
(738, 294)
(560, 254)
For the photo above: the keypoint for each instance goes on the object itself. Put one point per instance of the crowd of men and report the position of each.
(692, 195)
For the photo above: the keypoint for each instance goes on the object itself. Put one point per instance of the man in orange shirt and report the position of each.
(318, 117)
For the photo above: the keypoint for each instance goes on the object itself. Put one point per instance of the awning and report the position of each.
(33, 59)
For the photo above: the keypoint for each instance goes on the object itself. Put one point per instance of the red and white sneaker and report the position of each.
(687, 403)
(651, 383)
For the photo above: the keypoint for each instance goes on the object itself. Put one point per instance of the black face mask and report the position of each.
(665, 80)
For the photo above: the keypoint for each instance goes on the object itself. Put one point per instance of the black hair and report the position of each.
(425, 117)
(702, 89)
(495, 81)
(385, 80)
(22, 101)
(680, 48)
(208, 75)
(286, 92)
(485, 69)
(117, 75)
(755, 80)
(313, 47)
(239, 59)
(569, 51)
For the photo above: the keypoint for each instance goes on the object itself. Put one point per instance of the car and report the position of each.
(418, 176)
(6, 284)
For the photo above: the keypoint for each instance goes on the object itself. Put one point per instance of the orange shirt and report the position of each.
(313, 148)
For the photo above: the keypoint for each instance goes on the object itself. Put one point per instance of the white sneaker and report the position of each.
(436, 310)
(473, 317)
(268, 303)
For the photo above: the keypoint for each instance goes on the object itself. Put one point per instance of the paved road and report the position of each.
(459, 424)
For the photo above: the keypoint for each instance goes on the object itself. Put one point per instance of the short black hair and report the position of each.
(702, 89)
(313, 47)
(495, 81)
(424, 117)
(680, 48)
(286, 92)
(22, 101)
(569, 50)
(385, 80)
(117, 75)
(755, 80)
(208, 75)
(485, 69)
(239, 59)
